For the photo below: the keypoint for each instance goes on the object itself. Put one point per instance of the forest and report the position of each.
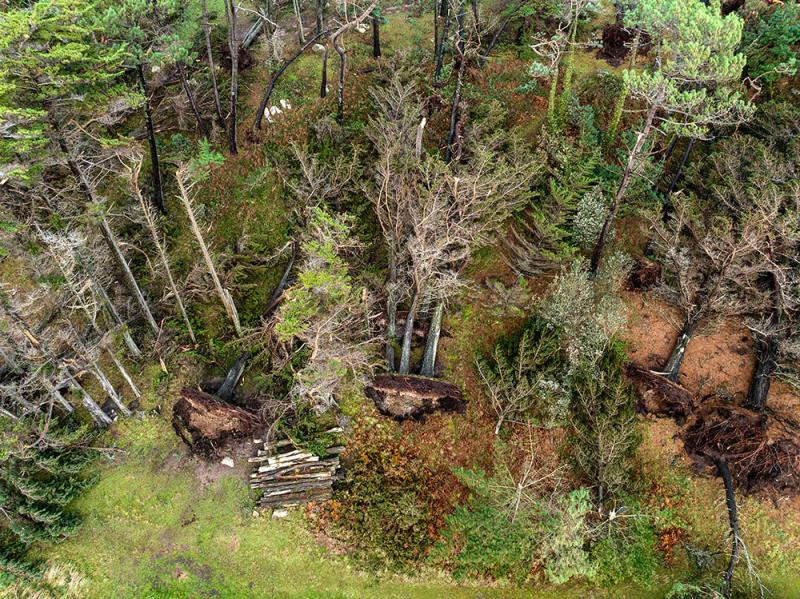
(448, 298)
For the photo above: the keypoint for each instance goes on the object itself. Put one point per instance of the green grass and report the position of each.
(153, 530)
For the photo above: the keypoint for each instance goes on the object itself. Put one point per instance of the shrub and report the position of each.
(384, 505)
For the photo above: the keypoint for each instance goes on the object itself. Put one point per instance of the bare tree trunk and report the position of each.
(233, 45)
(418, 143)
(442, 45)
(597, 253)
(300, 35)
(108, 236)
(162, 254)
(124, 372)
(337, 45)
(109, 389)
(448, 153)
(192, 101)
(268, 93)
(155, 168)
(212, 69)
(435, 30)
(320, 16)
(435, 329)
(97, 414)
(391, 313)
(496, 38)
(376, 35)
(323, 87)
(672, 368)
(224, 295)
(56, 395)
(405, 352)
(766, 352)
(733, 520)
(133, 286)
(126, 334)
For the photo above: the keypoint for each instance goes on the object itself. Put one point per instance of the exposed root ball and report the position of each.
(206, 424)
(657, 395)
(404, 396)
(759, 456)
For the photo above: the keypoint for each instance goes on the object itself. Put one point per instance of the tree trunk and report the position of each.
(192, 101)
(418, 143)
(125, 375)
(681, 164)
(633, 158)
(405, 352)
(162, 254)
(495, 38)
(109, 389)
(766, 351)
(126, 334)
(569, 70)
(429, 359)
(323, 87)
(97, 414)
(56, 395)
(442, 44)
(268, 93)
(225, 297)
(320, 16)
(133, 286)
(105, 231)
(733, 520)
(226, 390)
(616, 115)
(391, 313)
(551, 98)
(476, 17)
(155, 168)
(300, 35)
(340, 86)
(451, 135)
(376, 35)
(212, 69)
(672, 368)
(435, 30)
(233, 45)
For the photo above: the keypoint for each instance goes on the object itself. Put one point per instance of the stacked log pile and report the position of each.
(289, 476)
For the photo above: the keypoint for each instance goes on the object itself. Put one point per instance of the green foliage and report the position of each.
(523, 375)
(628, 551)
(308, 430)
(564, 547)
(385, 503)
(771, 40)
(697, 64)
(603, 431)
(52, 68)
(508, 527)
(479, 540)
(39, 478)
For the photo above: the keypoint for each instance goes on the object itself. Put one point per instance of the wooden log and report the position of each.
(226, 390)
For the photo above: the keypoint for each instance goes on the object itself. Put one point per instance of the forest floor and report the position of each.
(162, 523)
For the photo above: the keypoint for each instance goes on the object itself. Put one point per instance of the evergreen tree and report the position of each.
(690, 87)
(41, 472)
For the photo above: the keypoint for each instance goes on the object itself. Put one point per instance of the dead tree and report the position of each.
(376, 34)
(233, 47)
(155, 169)
(224, 295)
(150, 224)
(705, 258)
(201, 125)
(211, 67)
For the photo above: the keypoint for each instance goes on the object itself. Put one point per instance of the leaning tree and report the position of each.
(689, 87)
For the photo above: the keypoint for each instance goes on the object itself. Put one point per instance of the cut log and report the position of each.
(407, 396)
(228, 386)
(658, 395)
(205, 423)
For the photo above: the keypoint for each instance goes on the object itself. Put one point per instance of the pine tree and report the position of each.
(691, 85)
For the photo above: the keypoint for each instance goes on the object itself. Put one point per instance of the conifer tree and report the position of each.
(689, 88)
